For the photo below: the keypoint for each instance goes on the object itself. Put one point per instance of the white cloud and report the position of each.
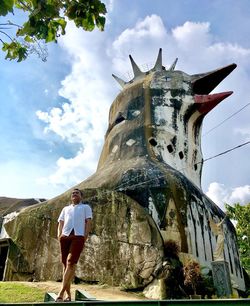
(70, 171)
(217, 193)
(240, 195)
(151, 28)
(83, 119)
(220, 194)
(192, 34)
(245, 132)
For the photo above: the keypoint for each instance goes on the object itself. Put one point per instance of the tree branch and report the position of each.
(14, 24)
(25, 6)
(6, 35)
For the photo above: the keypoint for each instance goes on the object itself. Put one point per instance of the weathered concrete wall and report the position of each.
(124, 248)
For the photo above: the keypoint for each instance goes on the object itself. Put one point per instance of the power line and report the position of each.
(229, 150)
(225, 120)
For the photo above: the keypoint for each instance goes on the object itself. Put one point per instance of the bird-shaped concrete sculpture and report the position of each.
(147, 186)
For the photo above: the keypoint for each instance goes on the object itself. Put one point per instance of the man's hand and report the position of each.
(87, 228)
(59, 229)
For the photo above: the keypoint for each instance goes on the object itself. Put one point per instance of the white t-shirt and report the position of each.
(74, 217)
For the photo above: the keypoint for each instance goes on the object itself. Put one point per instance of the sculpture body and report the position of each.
(151, 166)
(218, 230)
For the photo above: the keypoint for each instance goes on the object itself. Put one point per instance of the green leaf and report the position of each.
(62, 22)
(22, 54)
(88, 23)
(27, 29)
(15, 51)
(6, 6)
(55, 28)
(100, 7)
(28, 39)
(100, 22)
(51, 35)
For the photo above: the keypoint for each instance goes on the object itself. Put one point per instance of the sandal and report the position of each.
(59, 299)
(68, 299)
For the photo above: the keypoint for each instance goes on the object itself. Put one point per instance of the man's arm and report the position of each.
(59, 228)
(87, 227)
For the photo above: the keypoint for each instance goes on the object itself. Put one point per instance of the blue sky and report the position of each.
(53, 115)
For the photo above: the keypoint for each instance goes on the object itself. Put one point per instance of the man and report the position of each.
(73, 228)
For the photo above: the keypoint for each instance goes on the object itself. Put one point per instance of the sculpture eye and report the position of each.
(119, 118)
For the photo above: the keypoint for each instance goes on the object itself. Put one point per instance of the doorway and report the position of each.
(4, 248)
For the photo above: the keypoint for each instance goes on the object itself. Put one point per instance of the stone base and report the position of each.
(221, 278)
(156, 290)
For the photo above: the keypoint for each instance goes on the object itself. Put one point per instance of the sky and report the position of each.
(54, 114)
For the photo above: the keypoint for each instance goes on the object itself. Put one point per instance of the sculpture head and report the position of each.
(158, 116)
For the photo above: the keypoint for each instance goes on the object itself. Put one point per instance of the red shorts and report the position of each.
(71, 248)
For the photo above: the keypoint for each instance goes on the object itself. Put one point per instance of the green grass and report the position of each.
(12, 292)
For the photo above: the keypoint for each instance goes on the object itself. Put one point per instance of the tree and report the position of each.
(241, 214)
(46, 21)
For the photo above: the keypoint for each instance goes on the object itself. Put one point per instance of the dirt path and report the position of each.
(102, 292)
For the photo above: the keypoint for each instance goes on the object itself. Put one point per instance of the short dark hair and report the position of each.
(78, 190)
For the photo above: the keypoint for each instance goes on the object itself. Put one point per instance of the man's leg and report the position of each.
(65, 249)
(68, 276)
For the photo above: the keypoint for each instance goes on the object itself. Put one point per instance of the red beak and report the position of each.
(205, 103)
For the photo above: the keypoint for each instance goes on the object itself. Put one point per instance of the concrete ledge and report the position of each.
(50, 297)
(217, 302)
(81, 295)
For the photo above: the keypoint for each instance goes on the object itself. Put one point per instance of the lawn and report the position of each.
(12, 292)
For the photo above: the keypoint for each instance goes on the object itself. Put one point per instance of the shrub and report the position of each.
(192, 275)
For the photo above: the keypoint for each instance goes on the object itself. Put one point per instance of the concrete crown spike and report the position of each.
(136, 69)
(158, 63)
(172, 67)
(120, 81)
